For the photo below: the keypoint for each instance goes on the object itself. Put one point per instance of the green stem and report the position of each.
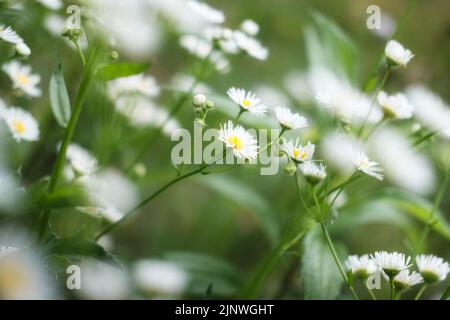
(421, 291)
(85, 82)
(80, 52)
(374, 98)
(446, 293)
(372, 295)
(391, 281)
(426, 137)
(338, 262)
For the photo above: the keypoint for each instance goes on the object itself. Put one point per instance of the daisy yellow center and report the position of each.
(246, 103)
(298, 153)
(23, 79)
(19, 126)
(235, 142)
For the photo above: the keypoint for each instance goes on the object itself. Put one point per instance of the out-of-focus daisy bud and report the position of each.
(210, 104)
(291, 168)
(140, 170)
(313, 173)
(199, 100)
(114, 55)
(22, 49)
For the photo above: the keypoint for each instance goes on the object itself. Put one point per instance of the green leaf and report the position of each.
(120, 70)
(327, 45)
(78, 244)
(208, 274)
(59, 98)
(66, 196)
(321, 278)
(416, 206)
(248, 198)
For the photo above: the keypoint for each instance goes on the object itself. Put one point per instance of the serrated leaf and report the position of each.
(321, 278)
(59, 98)
(120, 70)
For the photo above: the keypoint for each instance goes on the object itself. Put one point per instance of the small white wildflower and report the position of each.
(22, 78)
(142, 84)
(395, 106)
(206, 12)
(22, 124)
(22, 49)
(299, 153)
(81, 160)
(391, 263)
(397, 54)
(405, 279)
(250, 27)
(361, 267)
(250, 45)
(313, 173)
(289, 120)
(248, 101)
(369, 167)
(242, 142)
(432, 268)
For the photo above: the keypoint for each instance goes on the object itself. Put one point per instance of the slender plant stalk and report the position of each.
(338, 262)
(80, 52)
(85, 82)
(391, 281)
(446, 293)
(420, 293)
(423, 139)
(372, 295)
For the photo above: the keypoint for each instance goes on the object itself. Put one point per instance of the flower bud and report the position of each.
(209, 104)
(291, 168)
(199, 100)
(114, 55)
(22, 49)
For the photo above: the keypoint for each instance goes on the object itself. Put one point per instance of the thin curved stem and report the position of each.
(372, 295)
(338, 262)
(420, 293)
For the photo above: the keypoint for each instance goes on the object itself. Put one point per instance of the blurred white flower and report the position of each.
(402, 165)
(22, 124)
(242, 142)
(142, 112)
(369, 167)
(361, 266)
(22, 49)
(22, 78)
(54, 24)
(22, 273)
(103, 281)
(405, 279)
(142, 84)
(391, 263)
(10, 192)
(206, 12)
(336, 94)
(298, 152)
(250, 27)
(397, 54)
(271, 96)
(430, 109)
(250, 45)
(432, 268)
(52, 4)
(395, 106)
(314, 173)
(289, 120)
(247, 100)
(111, 193)
(81, 161)
(298, 86)
(160, 278)
(339, 150)
(9, 35)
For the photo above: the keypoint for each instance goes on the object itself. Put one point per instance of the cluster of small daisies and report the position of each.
(216, 40)
(395, 267)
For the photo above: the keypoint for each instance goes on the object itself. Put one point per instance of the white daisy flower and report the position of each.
(145, 85)
(103, 281)
(430, 109)
(250, 27)
(250, 45)
(81, 160)
(395, 106)
(404, 279)
(22, 124)
(391, 263)
(242, 142)
(361, 267)
(22, 78)
(160, 278)
(432, 268)
(289, 120)
(397, 54)
(248, 101)
(9, 35)
(298, 152)
(314, 173)
(205, 11)
(369, 167)
(52, 4)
